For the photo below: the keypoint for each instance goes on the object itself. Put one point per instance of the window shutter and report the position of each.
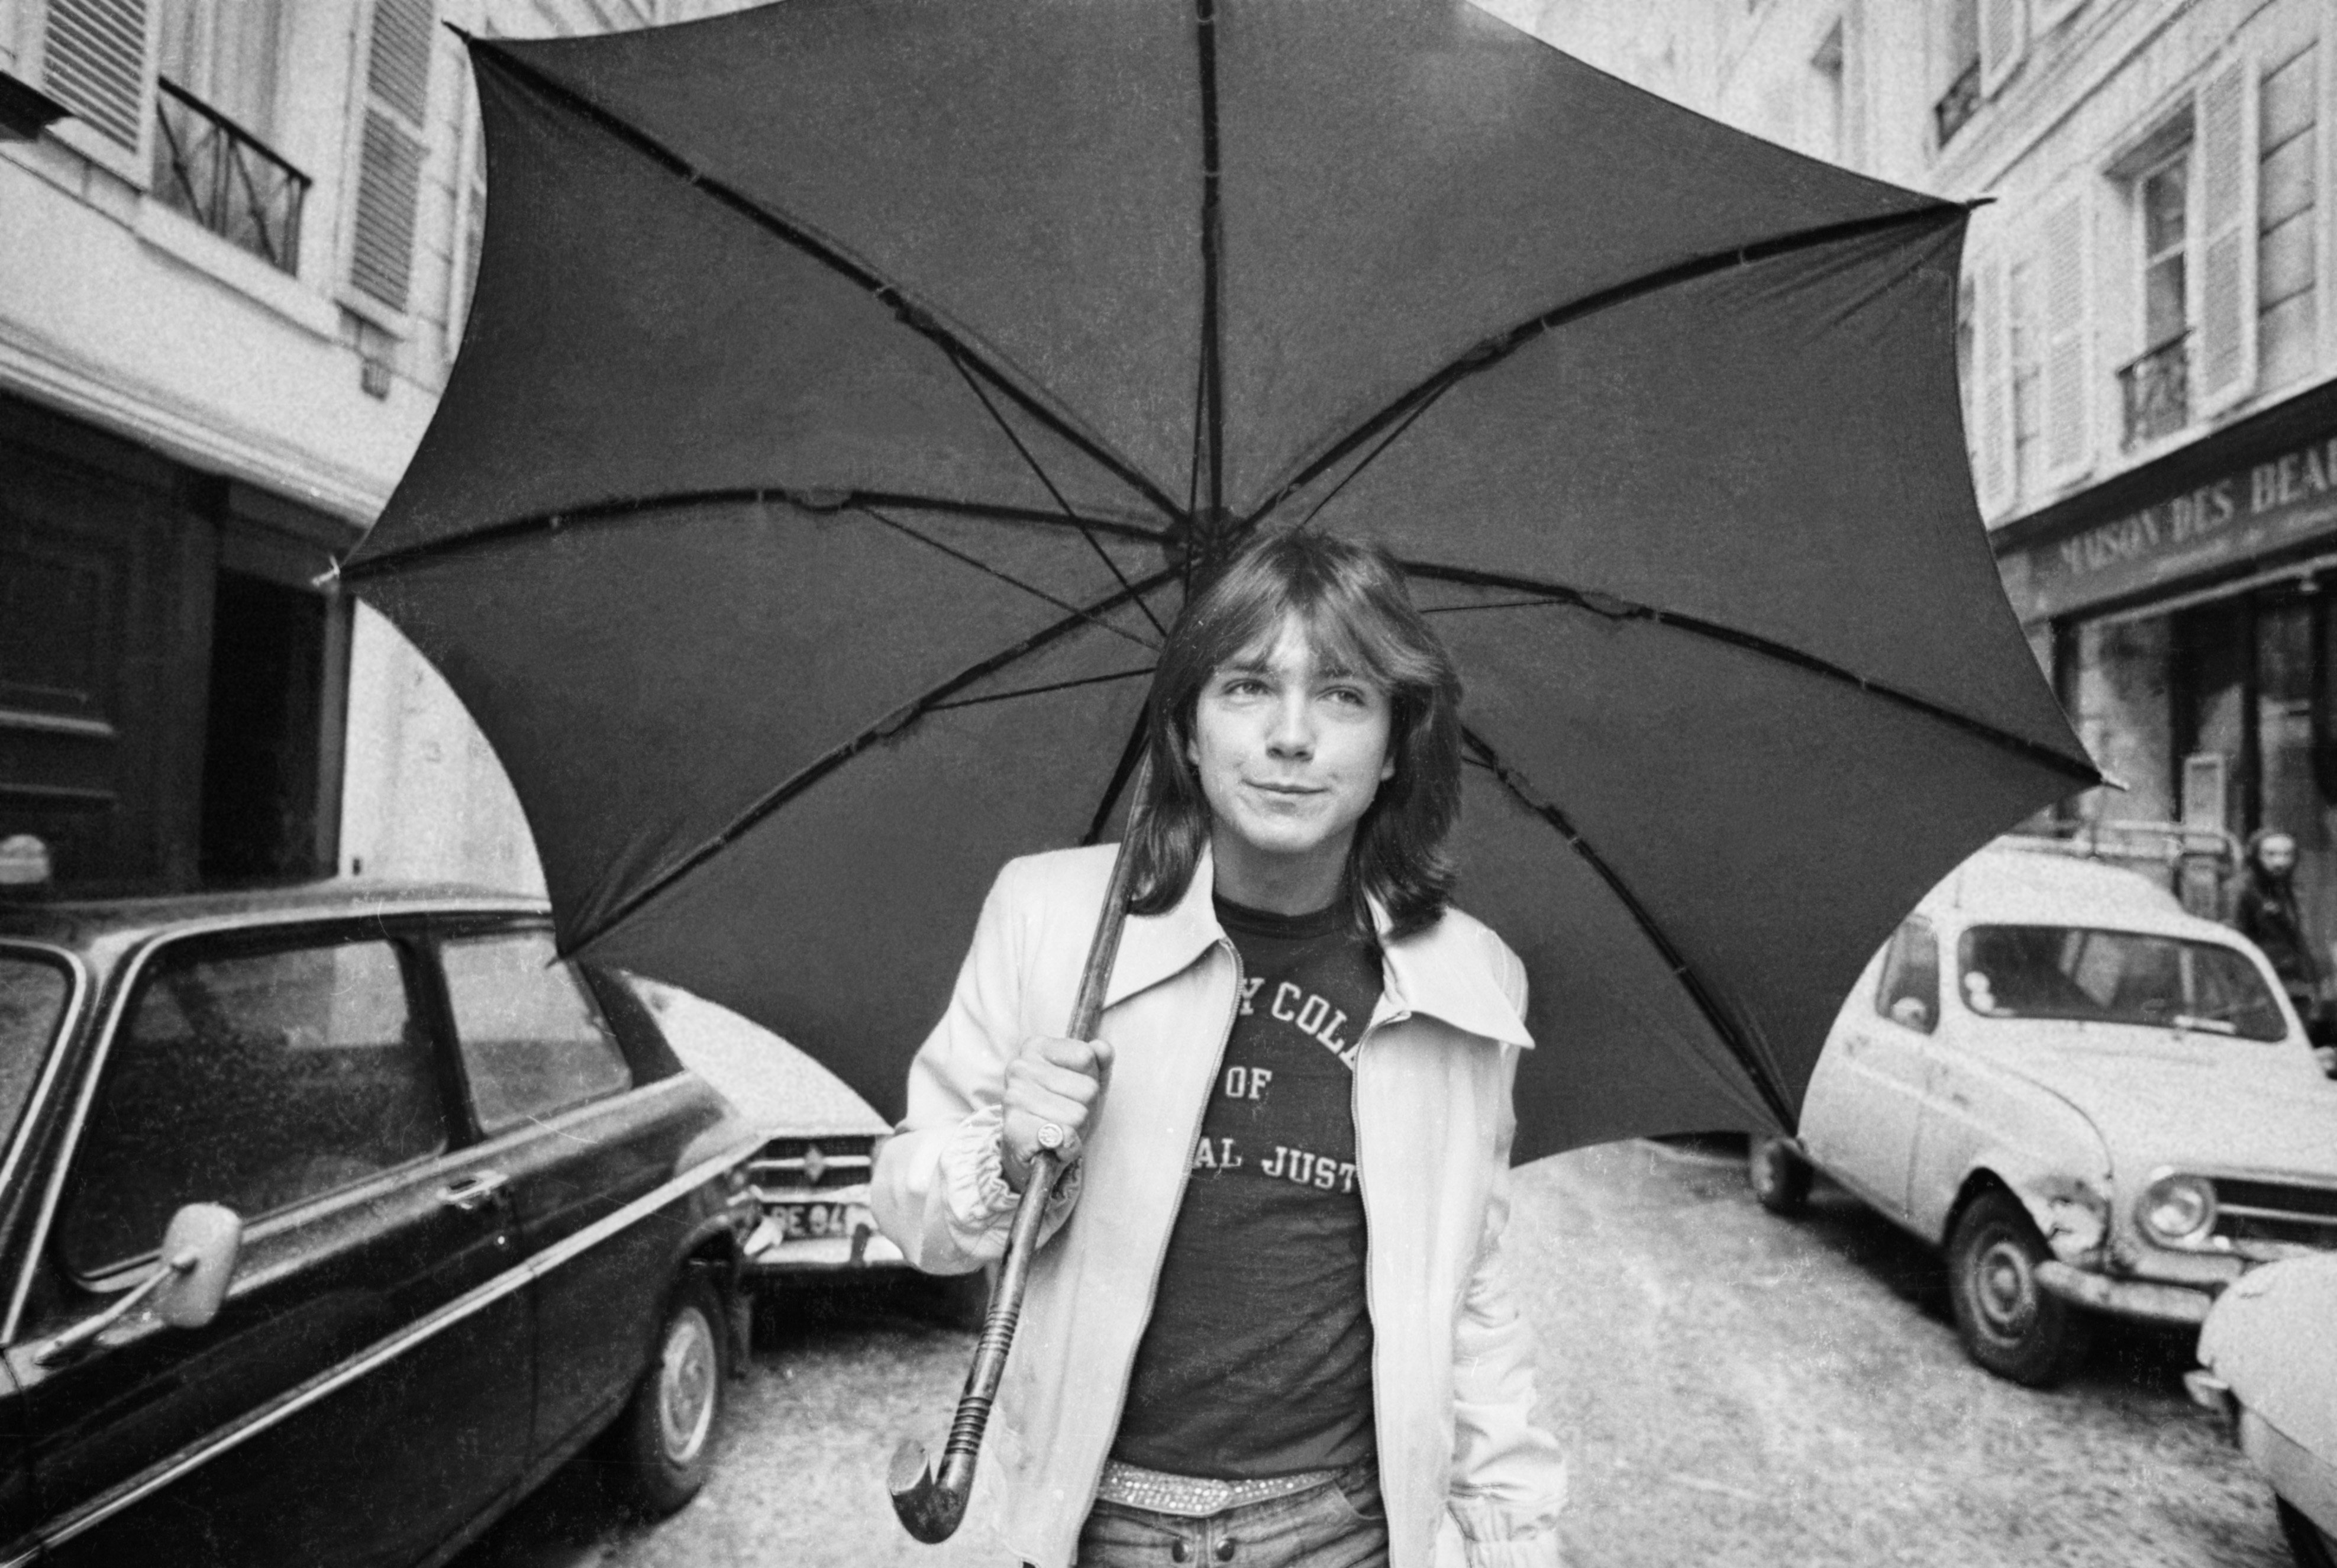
(93, 61)
(2003, 35)
(390, 149)
(2051, 13)
(2224, 368)
(1992, 400)
(2067, 379)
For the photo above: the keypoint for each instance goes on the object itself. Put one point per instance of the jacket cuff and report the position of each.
(1494, 1536)
(1538, 1551)
(973, 1175)
(974, 1181)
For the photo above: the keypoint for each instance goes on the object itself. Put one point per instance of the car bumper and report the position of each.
(2146, 1300)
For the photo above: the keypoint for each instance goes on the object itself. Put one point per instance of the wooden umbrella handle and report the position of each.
(932, 1504)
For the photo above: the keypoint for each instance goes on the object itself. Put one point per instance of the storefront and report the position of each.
(172, 681)
(2186, 604)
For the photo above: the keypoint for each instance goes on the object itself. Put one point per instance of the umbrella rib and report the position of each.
(1489, 351)
(816, 501)
(1129, 755)
(1681, 969)
(1016, 441)
(1616, 609)
(1211, 415)
(918, 318)
(1010, 581)
(1052, 686)
(837, 756)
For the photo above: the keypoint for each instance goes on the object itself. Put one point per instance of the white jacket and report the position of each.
(1451, 1362)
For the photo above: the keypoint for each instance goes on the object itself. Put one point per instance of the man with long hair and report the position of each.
(1272, 1324)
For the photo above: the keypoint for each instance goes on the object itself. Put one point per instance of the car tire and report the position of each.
(2309, 1544)
(665, 1439)
(2009, 1323)
(1780, 1178)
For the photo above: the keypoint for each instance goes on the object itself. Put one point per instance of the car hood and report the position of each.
(2268, 1338)
(2199, 1101)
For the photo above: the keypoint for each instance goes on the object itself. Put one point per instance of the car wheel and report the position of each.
(1779, 1176)
(2009, 1323)
(2309, 1544)
(666, 1435)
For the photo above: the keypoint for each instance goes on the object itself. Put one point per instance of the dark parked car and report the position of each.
(332, 1220)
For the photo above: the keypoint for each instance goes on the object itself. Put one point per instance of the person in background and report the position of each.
(2267, 915)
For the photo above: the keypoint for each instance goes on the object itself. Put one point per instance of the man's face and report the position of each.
(2278, 854)
(1290, 751)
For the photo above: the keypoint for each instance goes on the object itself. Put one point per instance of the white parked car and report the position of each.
(2093, 1101)
(2268, 1362)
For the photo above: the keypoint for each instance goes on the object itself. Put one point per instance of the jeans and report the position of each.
(1338, 1524)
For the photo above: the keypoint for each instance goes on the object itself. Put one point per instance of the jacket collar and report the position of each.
(1443, 972)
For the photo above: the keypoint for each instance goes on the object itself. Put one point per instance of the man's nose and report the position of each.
(1292, 731)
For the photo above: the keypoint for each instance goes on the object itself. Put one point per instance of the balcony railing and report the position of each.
(220, 175)
(1957, 105)
(2157, 391)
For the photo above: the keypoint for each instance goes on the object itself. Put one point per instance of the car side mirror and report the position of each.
(199, 1254)
(189, 1282)
(1913, 1012)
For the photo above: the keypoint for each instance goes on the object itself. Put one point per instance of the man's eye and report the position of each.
(1243, 686)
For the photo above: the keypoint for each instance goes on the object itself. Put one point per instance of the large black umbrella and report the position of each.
(852, 384)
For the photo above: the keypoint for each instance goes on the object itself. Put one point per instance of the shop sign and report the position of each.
(2236, 516)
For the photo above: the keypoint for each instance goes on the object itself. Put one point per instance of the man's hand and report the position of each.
(1050, 1080)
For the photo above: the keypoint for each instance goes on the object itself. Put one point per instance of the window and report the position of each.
(2192, 185)
(254, 1079)
(533, 1042)
(2165, 202)
(214, 112)
(1960, 51)
(34, 990)
(2024, 351)
(1910, 989)
(2117, 978)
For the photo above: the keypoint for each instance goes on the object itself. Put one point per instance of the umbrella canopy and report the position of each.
(852, 385)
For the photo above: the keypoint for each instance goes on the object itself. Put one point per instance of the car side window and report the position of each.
(533, 1039)
(1909, 994)
(256, 1079)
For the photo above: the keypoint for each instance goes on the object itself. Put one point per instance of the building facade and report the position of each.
(232, 280)
(2150, 362)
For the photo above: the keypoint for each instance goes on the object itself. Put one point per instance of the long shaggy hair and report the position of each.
(1351, 601)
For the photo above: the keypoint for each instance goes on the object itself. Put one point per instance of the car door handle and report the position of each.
(472, 1192)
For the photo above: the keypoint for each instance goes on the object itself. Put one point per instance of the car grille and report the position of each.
(2275, 1215)
(791, 1166)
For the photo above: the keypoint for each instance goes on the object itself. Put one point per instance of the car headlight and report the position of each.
(2177, 1209)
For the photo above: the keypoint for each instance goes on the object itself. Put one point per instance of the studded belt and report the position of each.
(1196, 1496)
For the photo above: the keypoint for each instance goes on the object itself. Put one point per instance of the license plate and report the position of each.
(801, 1219)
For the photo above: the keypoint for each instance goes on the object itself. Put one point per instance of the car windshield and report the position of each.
(2116, 977)
(34, 989)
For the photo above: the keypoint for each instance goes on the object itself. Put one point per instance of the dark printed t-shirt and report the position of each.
(1258, 1360)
